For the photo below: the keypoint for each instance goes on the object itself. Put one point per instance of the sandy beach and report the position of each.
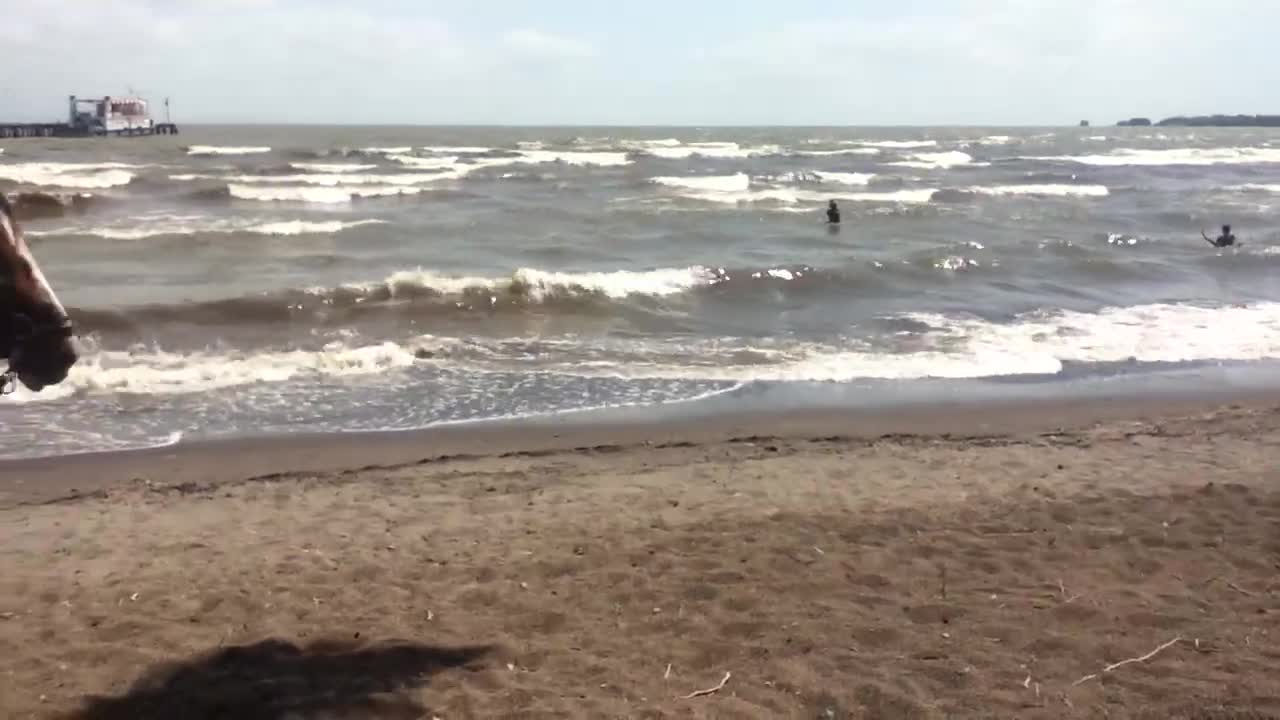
(1097, 562)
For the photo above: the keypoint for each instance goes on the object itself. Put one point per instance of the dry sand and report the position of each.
(901, 576)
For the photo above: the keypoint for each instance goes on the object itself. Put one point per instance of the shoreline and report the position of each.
(1037, 561)
(211, 462)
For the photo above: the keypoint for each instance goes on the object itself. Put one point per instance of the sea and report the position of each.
(257, 280)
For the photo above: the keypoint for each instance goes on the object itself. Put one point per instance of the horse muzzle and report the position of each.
(44, 361)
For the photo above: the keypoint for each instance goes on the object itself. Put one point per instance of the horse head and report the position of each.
(35, 331)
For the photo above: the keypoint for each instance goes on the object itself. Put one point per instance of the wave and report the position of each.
(413, 293)
(334, 180)
(736, 189)
(1254, 187)
(832, 153)
(893, 144)
(385, 150)
(459, 149)
(540, 285)
(933, 346)
(319, 194)
(599, 159)
(85, 176)
(226, 150)
(425, 163)
(1038, 343)
(717, 150)
(161, 226)
(1172, 156)
(840, 178)
(33, 205)
(332, 167)
(661, 143)
(1047, 190)
(715, 183)
(154, 371)
(935, 161)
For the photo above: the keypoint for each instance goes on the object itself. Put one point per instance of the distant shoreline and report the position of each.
(1206, 121)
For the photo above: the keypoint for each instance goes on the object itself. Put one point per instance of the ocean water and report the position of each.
(246, 280)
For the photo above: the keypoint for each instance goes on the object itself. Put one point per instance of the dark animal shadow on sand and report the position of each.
(277, 680)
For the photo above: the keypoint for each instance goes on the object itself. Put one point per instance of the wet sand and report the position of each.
(949, 564)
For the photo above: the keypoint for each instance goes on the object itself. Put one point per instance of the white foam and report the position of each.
(539, 284)
(70, 175)
(1253, 187)
(1174, 156)
(664, 142)
(157, 372)
(1048, 189)
(894, 144)
(309, 227)
(386, 150)
(1034, 344)
(337, 179)
(157, 226)
(840, 178)
(734, 197)
(995, 140)
(736, 189)
(936, 161)
(464, 149)
(832, 153)
(598, 159)
(953, 347)
(226, 150)
(331, 167)
(716, 150)
(425, 163)
(319, 194)
(716, 183)
(907, 196)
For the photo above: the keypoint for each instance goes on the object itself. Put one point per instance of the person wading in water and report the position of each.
(1226, 239)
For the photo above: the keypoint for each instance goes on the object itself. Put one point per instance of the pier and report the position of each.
(96, 117)
(64, 130)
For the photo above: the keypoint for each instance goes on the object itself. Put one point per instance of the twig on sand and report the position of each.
(1122, 663)
(667, 675)
(1239, 589)
(709, 691)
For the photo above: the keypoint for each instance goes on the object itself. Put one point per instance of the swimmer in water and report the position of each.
(1226, 239)
(833, 213)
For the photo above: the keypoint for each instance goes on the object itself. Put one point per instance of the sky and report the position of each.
(645, 62)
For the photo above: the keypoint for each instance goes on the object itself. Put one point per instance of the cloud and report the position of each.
(803, 62)
(536, 44)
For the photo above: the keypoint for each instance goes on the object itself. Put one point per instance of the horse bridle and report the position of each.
(61, 328)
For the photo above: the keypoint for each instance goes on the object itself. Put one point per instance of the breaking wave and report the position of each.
(332, 167)
(1173, 156)
(86, 176)
(935, 161)
(226, 150)
(321, 195)
(160, 226)
(937, 346)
